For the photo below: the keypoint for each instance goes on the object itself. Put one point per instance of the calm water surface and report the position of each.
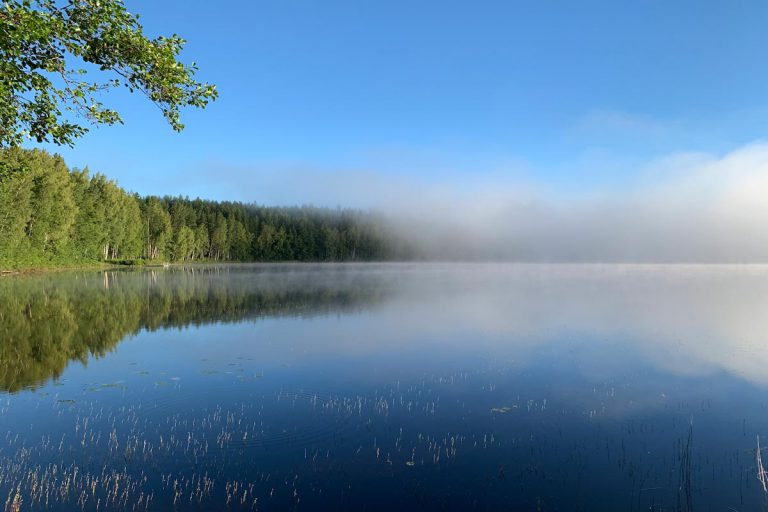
(385, 387)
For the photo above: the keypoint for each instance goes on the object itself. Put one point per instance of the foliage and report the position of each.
(50, 215)
(47, 48)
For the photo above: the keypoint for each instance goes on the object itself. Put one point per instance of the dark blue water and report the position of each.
(385, 387)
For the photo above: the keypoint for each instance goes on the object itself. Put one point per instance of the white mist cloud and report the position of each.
(685, 207)
(688, 207)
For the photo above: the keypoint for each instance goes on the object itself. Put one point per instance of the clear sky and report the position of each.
(571, 95)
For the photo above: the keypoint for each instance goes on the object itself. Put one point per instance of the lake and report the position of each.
(380, 387)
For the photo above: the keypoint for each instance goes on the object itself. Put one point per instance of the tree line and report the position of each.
(50, 214)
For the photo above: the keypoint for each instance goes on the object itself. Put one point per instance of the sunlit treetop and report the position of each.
(46, 93)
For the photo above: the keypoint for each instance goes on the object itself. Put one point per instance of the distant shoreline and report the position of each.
(53, 268)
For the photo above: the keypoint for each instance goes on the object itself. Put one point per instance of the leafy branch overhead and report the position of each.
(46, 93)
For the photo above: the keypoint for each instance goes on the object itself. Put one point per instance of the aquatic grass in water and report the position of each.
(373, 387)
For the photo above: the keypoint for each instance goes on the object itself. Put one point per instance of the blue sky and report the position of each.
(571, 95)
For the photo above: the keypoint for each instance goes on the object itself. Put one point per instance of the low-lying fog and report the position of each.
(685, 207)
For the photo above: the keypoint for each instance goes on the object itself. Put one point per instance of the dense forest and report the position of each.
(50, 214)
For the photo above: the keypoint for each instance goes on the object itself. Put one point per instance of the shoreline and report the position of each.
(43, 269)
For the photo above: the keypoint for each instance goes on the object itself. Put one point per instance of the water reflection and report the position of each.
(688, 320)
(380, 387)
(50, 320)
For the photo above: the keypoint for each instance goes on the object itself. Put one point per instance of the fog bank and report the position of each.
(684, 208)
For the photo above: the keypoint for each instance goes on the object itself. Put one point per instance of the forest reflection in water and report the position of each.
(381, 386)
(49, 320)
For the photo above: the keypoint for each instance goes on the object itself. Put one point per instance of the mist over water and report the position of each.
(684, 207)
